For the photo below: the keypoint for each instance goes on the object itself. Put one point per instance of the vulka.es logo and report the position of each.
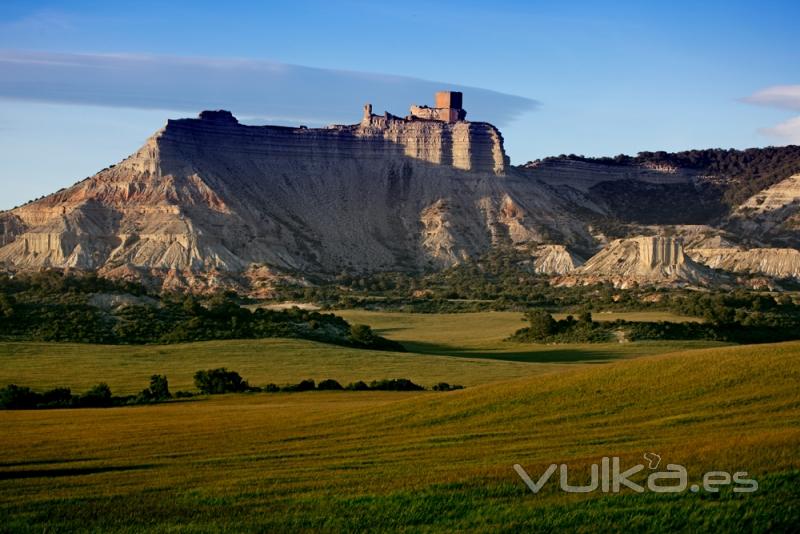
(609, 477)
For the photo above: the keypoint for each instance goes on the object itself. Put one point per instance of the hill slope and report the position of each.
(369, 461)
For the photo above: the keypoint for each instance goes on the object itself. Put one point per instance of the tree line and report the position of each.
(207, 381)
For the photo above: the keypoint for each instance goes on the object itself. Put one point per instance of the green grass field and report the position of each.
(422, 461)
(127, 369)
(483, 335)
(467, 349)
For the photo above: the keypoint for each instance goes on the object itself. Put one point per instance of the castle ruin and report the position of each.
(448, 109)
(440, 135)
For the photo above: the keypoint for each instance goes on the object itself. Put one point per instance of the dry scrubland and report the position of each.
(426, 460)
(418, 461)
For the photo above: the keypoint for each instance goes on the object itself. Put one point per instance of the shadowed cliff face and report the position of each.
(210, 195)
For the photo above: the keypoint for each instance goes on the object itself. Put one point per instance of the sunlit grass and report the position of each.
(127, 369)
(467, 349)
(439, 460)
(484, 335)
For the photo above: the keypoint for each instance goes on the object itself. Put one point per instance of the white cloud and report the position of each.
(249, 88)
(777, 96)
(788, 130)
(782, 97)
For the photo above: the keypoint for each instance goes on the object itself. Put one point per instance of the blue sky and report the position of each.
(83, 83)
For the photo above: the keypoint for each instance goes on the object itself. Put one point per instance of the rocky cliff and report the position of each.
(207, 197)
(209, 203)
(640, 260)
(771, 216)
(774, 262)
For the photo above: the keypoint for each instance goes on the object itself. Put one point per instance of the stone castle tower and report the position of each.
(448, 108)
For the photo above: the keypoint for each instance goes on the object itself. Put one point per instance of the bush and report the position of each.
(329, 385)
(13, 397)
(362, 334)
(395, 384)
(358, 386)
(542, 324)
(218, 381)
(303, 385)
(158, 390)
(97, 396)
(272, 388)
(56, 398)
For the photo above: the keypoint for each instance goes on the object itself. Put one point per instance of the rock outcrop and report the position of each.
(208, 199)
(554, 259)
(209, 203)
(771, 216)
(640, 260)
(773, 262)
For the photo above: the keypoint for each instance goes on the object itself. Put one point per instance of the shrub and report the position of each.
(13, 397)
(358, 386)
(159, 388)
(395, 384)
(272, 388)
(303, 385)
(97, 396)
(542, 324)
(57, 397)
(217, 381)
(362, 334)
(329, 384)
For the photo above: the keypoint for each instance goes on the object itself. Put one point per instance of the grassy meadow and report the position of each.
(421, 461)
(465, 348)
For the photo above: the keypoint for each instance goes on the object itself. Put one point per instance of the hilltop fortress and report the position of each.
(438, 135)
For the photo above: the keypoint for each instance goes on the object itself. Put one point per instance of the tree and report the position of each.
(216, 381)
(304, 385)
(329, 384)
(361, 333)
(542, 324)
(159, 387)
(99, 395)
(13, 397)
(358, 386)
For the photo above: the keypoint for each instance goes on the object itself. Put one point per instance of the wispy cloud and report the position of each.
(782, 97)
(250, 88)
(789, 130)
(778, 96)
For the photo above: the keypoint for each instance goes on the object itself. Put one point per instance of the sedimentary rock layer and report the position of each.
(775, 262)
(640, 260)
(210, 195)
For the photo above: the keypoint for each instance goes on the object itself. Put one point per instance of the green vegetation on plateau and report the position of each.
(747, 171)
